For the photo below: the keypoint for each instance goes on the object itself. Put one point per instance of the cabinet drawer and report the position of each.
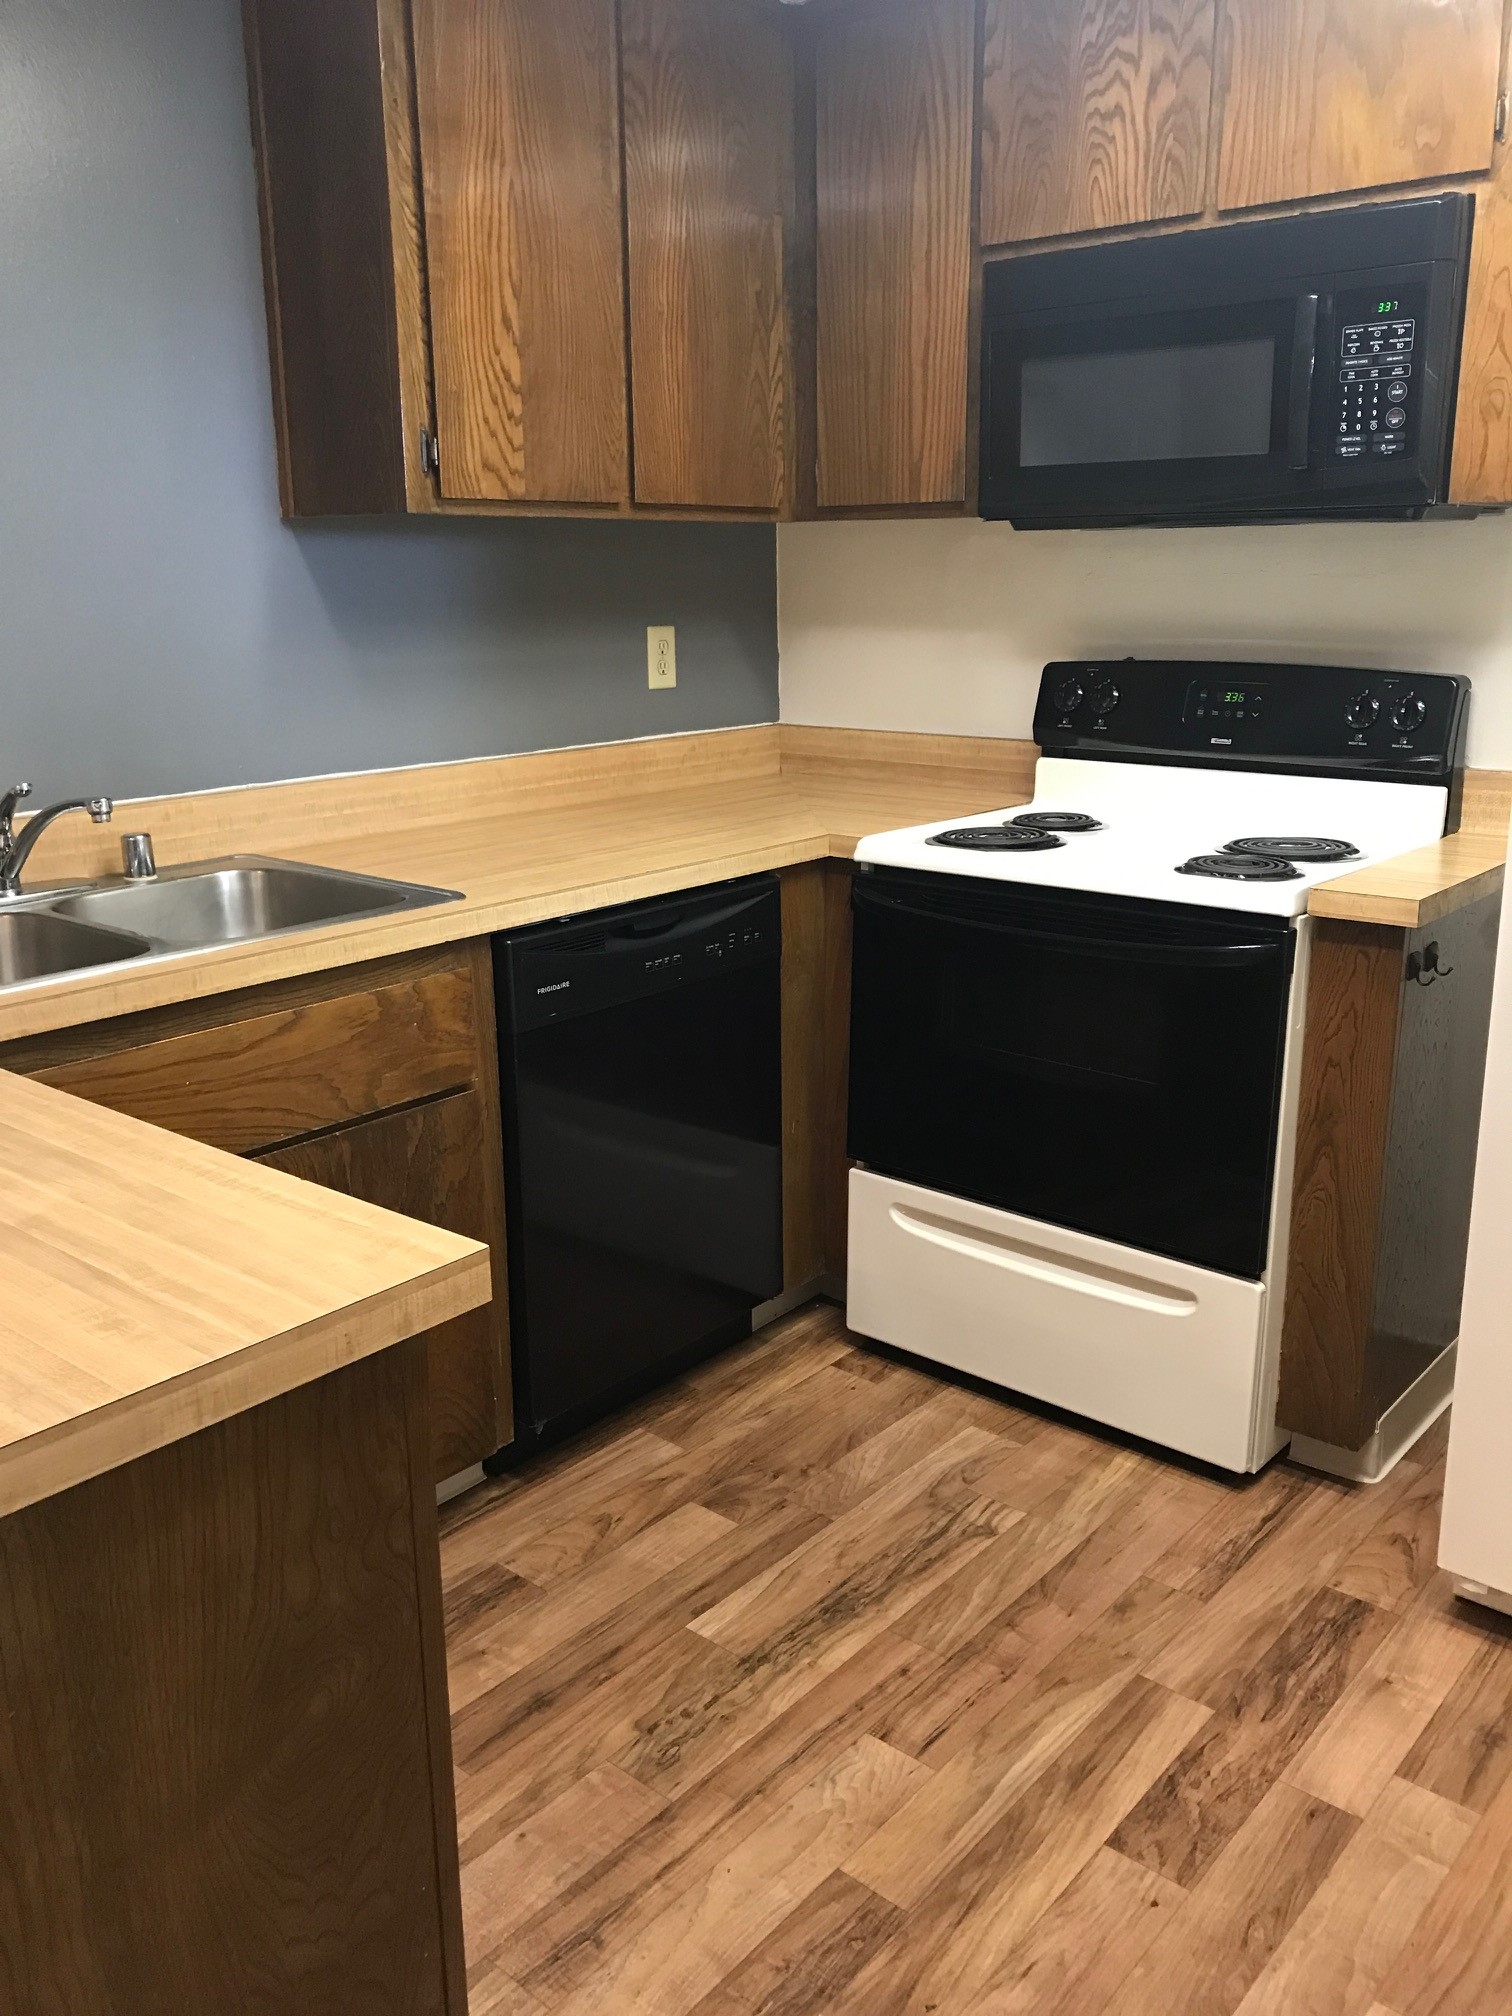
(291, 1070)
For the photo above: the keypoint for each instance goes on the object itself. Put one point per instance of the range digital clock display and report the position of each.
(1218, 710)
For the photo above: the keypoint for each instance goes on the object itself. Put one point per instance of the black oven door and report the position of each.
(1111, 1067)
(1201, 412)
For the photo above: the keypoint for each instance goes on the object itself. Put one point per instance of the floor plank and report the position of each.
(967, 1923)
(1347, 1938)
(696, 1934)
(1465, 1752)
(804, 1962)
(1073, 1959)
(1221, 1777)
(818, 1686)
(1380, 1715)
(1214, 1947)
(1459, 1960)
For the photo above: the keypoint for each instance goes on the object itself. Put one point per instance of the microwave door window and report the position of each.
(1171, 403)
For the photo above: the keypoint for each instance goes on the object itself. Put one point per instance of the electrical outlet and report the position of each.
(661, 655)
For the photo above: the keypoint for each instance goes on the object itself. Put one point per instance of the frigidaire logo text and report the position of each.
(555, 987)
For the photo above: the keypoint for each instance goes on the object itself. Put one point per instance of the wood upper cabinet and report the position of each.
(1094, 114)
(520, 166)
(894, 96)
(708, 91)
(1329, 95)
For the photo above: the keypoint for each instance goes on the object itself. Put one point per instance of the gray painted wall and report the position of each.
(162, 630)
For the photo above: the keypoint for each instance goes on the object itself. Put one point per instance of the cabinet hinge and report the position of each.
(430, 453)
(1501, 117)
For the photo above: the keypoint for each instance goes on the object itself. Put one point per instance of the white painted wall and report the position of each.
(944, 625)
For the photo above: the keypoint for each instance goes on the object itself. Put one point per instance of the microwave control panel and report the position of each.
(1377, 383)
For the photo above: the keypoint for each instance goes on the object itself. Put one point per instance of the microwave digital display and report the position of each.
(1178, 402)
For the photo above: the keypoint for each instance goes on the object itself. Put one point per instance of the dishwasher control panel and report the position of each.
(549, 972)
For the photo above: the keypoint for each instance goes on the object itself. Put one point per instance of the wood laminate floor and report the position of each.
(816, 1684)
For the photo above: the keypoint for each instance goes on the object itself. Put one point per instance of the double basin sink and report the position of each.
(189, 909)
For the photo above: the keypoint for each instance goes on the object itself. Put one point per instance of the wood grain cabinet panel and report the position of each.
(431, 1163)
(265, 1078)
(894, 90)
(225, 1765)
(520, 160)
(316, 85)
(1482, 472)
(708, 175)
(1392, 1071)
(1094, 114)
(816, 952)
(1330, 95)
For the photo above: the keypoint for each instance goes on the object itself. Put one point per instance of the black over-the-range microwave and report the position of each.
(1297, 367)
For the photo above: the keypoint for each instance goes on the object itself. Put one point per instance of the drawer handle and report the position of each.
(1109, 1284)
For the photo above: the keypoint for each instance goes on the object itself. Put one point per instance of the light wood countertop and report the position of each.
(1417, 888)
(154, 1286)
(531, 837)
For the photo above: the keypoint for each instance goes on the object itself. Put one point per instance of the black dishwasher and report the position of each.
(640, 1054)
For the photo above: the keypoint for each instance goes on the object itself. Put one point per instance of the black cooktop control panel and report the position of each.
(1377, 387)
(1310, 719)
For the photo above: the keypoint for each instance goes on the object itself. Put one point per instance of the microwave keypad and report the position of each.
(1375, 386)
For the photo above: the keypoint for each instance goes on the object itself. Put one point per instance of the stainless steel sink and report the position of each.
(221, 902)
(189, 909)
(35, 945)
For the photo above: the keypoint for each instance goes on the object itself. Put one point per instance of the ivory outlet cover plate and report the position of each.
(661, 655)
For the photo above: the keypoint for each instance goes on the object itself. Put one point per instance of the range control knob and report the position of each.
(1409, 713)
(1069, 695)
(1105, 698)
(1362, 710)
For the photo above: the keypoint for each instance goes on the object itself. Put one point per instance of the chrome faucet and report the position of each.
(15, 849)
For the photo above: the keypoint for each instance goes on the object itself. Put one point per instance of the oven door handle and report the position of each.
(1303, 365)
(1145, 952)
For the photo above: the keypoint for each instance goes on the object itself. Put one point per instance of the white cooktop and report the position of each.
(1155, 816)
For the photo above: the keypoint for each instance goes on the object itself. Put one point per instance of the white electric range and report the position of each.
(1077, 1035)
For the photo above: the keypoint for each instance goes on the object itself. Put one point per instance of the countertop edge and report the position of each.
(104, 1438)
(1368, 903)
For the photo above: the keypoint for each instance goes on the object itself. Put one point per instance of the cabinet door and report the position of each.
(1329, 95)
(1094, 114)
(520, 164)
(894, 91)
(434, 1162)
(708, 165)
(1482, 472)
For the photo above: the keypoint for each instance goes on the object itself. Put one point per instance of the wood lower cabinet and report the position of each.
(1393, 1062)
(816, 958)
(381, 1081)
(1094, 114)
(225, 1757)
(1330, 95)
(709, 184)
(520, 167)
(894, 127)
(434, 1162)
